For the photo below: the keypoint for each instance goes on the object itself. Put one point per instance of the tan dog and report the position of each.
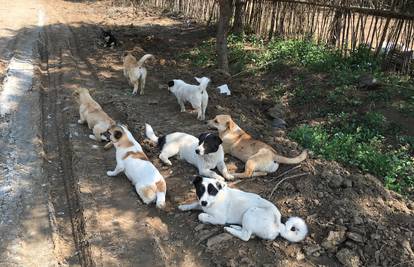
(259, 157)
(135, 72)
(92, 113)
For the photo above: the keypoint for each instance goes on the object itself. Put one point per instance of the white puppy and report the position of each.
(195, 94)
(130, 159)
(257, 216)
(204, 152)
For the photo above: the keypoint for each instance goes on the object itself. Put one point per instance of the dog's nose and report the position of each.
(203, 203)
(197, 151)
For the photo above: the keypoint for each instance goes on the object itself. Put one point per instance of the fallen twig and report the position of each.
(286, 172)
(284, 179)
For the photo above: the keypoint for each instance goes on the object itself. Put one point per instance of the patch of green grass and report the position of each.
(359, 142)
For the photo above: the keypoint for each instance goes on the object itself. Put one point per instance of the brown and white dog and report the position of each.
(260, 158)
(92, 113)
(135, 71)
(131, 159)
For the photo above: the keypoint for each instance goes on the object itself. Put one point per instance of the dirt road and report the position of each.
(58, 207)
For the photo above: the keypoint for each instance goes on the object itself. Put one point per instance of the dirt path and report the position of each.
(68, 212)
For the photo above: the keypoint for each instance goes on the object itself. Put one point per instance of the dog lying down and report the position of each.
(247, 213)
(135, 71)
(204, 152)
(195, 94)
(260, 158)
(92, 113)
(130, 159)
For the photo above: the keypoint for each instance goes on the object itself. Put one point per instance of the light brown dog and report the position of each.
(259, 157)
(135, 72)
(92, 113)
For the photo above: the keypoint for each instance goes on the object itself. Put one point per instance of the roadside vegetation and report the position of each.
(345, 121)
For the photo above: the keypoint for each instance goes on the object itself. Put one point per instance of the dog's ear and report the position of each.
(230, 125)
(117, 134)
(198, 79)
(125, 54)
(220, 185)
(202, 136)
(170, 83)
(218, 139)
(197, 180)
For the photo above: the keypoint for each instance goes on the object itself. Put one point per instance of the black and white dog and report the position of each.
(257, 216)
(204, 152)
(109, 39)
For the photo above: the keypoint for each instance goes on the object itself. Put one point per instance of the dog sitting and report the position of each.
(135, 71)
(195, 94)
(259, 157)
(130, 159)
(204, 152)
(92, 113)
(257, 216)
(109, 39)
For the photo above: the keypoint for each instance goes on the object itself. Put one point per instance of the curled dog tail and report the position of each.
(203, 83)
(142, 60)
(149, 133)
(294, 230)
(295, 160)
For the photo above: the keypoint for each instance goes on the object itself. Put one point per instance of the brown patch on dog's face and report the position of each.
(136, 155)
(118, 137)
(161, 186)
(222, 123)
(149, 192)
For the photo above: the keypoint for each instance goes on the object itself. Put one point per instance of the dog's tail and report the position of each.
(142, 60)
(149, 133)
(294, 230)
(203, 83)
(295, 160)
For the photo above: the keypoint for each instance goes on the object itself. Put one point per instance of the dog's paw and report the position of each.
(203, 217)
(110, 173)
(93, 137)
(141, 93)
(229, 177)
(160, 205)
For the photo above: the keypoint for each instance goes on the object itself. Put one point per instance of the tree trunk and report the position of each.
(238, 25)
(222, 31)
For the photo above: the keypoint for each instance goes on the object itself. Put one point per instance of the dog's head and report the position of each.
(171, 85)
(128, 58)
(208, 143)
(222, 123)
(208, 190)
(117, 134)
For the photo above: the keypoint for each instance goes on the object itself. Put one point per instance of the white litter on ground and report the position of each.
(224, 89)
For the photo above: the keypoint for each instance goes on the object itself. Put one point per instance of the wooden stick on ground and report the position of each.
(284, 179)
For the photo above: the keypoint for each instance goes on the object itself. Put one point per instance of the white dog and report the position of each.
(204, 152)
(195, 94)
(148, 182)
(257, 216)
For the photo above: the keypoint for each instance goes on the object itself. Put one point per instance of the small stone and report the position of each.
(335, 181)
(320, 194)
(276, 111)
(375, 236)
(300, 256)
(358, 220)
(333, 240)
(312, 249)
(355, 237)
(153, 102)
(327, 174)
(348, 258)
(199, 227)
(347, 183)
(211, 242)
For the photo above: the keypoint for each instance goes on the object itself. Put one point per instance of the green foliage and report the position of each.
(368, 142)
(359, 142)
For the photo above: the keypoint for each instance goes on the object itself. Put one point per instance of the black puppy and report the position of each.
(108, 38)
